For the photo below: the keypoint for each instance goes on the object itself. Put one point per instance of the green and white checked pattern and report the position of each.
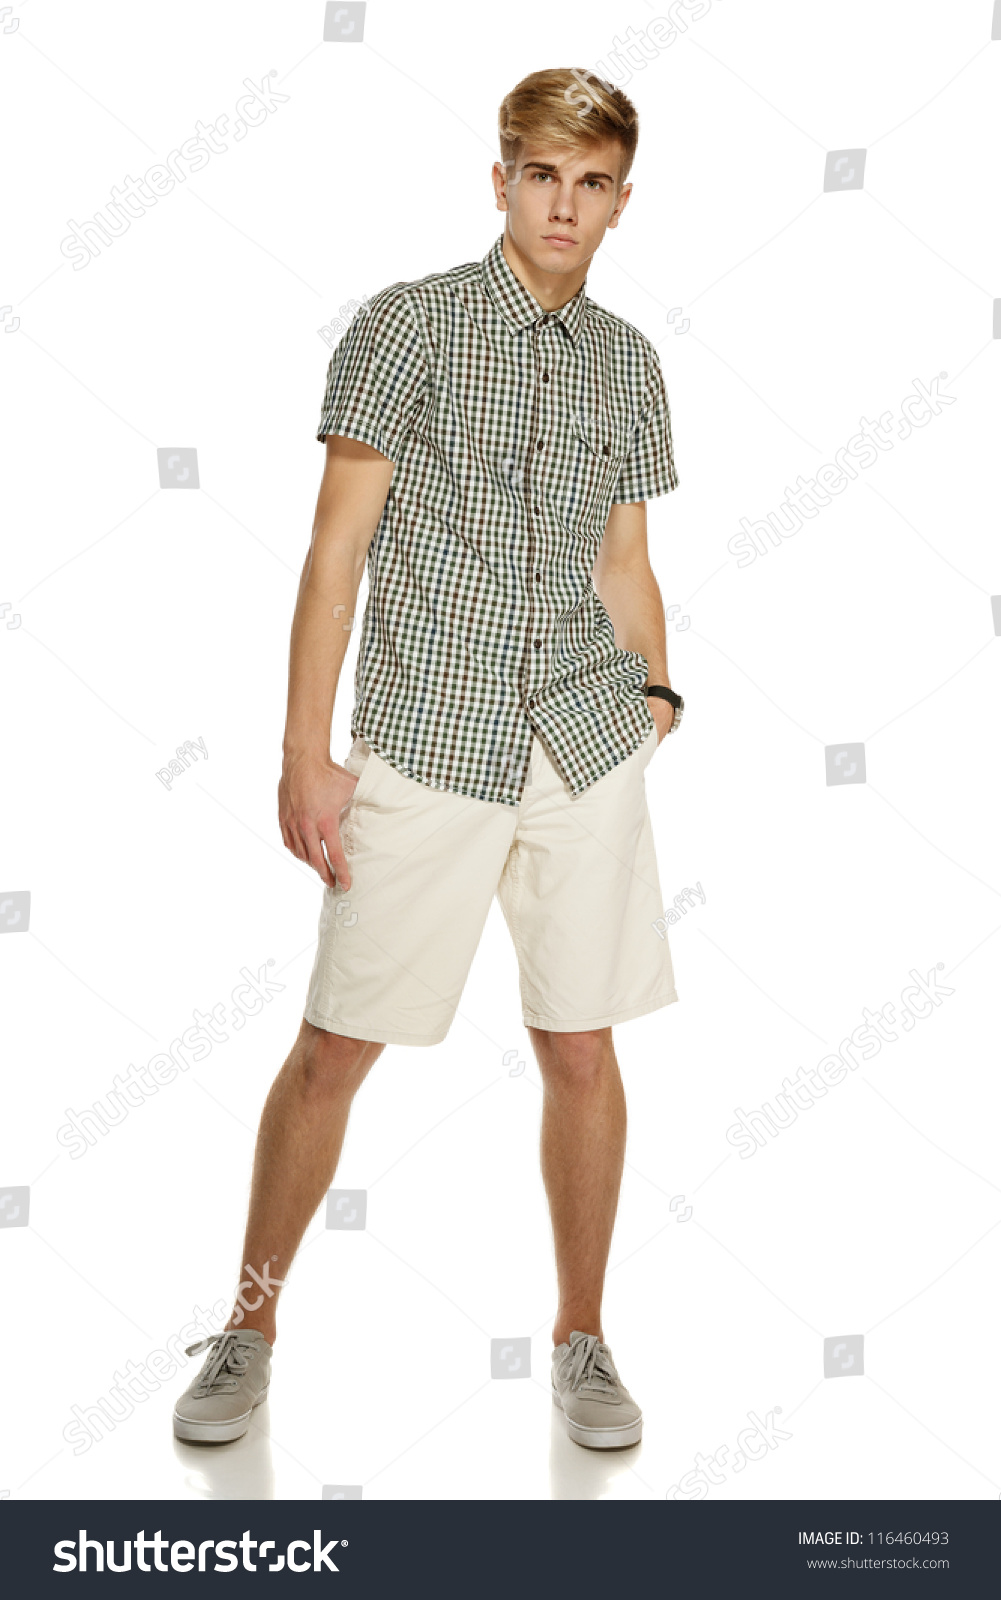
(513, 433)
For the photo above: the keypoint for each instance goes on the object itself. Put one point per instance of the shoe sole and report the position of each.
(600, 1438)
(217, 1432)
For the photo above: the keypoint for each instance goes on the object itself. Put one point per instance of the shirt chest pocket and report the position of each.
(600, 446)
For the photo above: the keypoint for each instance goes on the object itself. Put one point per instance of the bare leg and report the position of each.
(298, 1146)
(582, 1148)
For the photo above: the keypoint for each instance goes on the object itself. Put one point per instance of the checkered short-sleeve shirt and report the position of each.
(513, 433)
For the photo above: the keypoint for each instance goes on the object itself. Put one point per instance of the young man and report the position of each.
(492, 436)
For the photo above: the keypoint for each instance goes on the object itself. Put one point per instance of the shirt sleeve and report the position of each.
(377, 375)
(649, 469)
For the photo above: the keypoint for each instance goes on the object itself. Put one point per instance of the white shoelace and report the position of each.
(226, 1365)
(590, 1365)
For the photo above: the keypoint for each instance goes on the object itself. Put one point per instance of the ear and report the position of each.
(499, 175)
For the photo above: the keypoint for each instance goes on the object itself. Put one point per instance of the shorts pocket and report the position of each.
(363, 763)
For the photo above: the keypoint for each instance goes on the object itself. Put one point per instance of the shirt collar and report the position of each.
(517, 305)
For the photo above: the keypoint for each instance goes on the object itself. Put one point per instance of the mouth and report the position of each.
(559, 238)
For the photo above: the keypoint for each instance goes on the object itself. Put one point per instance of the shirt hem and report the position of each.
(631, 752)
(465, 791)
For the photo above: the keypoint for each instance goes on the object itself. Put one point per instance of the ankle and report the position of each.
(249, 1323)
(581, 1323)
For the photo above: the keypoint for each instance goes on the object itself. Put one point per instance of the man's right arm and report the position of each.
(314, 792)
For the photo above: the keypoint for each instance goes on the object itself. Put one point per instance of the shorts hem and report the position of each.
(370, 1035)
(582, 1025)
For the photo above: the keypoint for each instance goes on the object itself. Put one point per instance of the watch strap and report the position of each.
(665, 693)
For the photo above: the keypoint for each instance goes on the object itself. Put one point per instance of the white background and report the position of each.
(150, 617)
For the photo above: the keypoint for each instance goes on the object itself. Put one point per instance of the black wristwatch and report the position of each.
(675, 700)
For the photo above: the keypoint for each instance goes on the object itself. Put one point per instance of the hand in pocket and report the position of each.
(313, 797)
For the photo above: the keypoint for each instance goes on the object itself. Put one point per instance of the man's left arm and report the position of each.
(625, 584)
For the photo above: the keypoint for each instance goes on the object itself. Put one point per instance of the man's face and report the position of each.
(555, 195)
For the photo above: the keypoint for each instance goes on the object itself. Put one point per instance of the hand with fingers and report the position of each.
(314, 794)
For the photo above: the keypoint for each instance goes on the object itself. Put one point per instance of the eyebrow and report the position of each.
(548, 166)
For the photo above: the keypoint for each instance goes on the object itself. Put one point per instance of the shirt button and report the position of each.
(539, 445)
(545, 377)
(538, 644)
(538, 511)
(531, 705)
(538, 577)
(606, 450)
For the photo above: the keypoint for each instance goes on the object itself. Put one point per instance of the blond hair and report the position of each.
(569, 107)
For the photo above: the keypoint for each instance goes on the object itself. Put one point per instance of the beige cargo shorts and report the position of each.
(576, 878)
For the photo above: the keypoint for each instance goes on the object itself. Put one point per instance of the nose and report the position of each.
(562, 208)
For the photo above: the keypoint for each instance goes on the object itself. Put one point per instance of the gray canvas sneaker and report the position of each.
(234, 1379)
(600, 1412)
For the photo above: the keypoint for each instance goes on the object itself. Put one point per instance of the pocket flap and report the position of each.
(603, 436)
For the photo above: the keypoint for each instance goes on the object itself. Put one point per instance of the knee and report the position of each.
(328, 1064)
(573, 1056)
